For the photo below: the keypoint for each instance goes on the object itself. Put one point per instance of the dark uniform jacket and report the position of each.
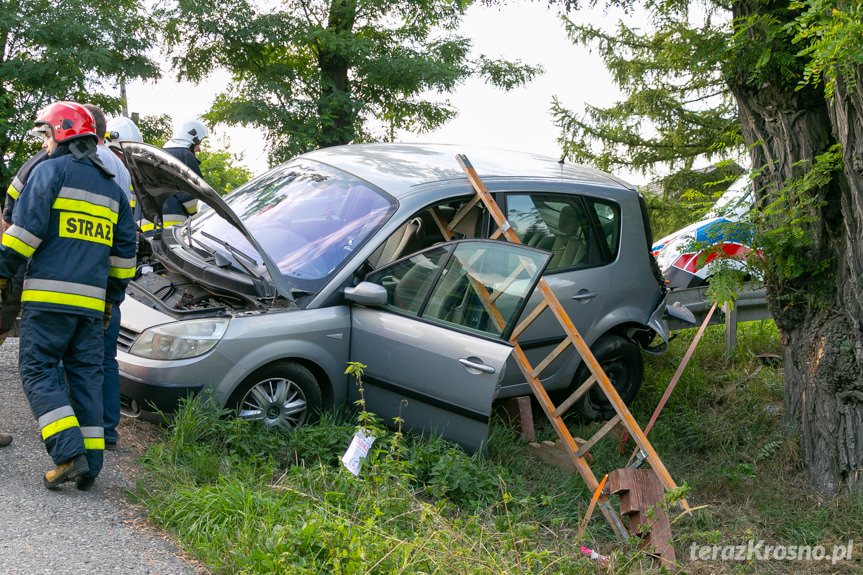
(75, 225)
(179, 207)
(19, 181)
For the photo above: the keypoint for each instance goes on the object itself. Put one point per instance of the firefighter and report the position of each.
(183, 145)
(74, 224)
(117, 130)
(10, 297)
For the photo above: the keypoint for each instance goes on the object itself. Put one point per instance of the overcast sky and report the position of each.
(517, 120)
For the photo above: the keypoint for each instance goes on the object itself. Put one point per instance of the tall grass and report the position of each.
(249, 500)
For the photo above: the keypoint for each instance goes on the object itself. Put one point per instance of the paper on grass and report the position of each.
(357, 451)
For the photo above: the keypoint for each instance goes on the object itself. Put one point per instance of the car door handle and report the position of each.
(584, 294)
(475, 363)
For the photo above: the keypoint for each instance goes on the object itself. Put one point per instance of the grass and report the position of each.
(246, 500)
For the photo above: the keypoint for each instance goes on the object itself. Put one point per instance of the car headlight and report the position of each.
(180, 340)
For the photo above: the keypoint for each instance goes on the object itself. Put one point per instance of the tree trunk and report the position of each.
(336, 108)
(819, 321)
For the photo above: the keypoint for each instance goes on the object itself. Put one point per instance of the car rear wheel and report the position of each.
(284, 395)
(621, 361)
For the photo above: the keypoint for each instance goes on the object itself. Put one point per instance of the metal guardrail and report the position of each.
(751, 305)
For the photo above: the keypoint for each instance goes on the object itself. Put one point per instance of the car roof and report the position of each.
(399, 168)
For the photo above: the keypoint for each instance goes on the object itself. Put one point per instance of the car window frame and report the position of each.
(585, 202)
(431, 289)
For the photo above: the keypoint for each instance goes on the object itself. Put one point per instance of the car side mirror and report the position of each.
(367, 293)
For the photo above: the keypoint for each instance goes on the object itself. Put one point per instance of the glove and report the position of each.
(106, 317)
(3, 282)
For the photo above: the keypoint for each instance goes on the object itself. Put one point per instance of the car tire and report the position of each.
(621, 361)
(283, 394)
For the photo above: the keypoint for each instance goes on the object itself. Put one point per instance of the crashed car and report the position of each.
(688, 256)
(371, 253)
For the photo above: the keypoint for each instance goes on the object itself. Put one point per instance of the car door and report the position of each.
(582, 235)
(435, 345)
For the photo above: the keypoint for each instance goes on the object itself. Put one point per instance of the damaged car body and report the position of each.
(344, 254)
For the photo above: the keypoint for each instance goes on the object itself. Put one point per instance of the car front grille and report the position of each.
(126, 338)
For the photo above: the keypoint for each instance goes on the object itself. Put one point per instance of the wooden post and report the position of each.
(730, 311)
(520, 412)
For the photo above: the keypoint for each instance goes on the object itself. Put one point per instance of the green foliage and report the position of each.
(786, 225)
(666, 215)
(676, 109)
(780, 231)
(247, 499)
(830, 33)
(761, 49)
(222, 169)
(155, 130)
(723, 432)
(326, 72)
(72, 50)
(679, 78)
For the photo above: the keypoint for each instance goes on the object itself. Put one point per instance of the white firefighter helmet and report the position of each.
(122, 129)
(188, 134)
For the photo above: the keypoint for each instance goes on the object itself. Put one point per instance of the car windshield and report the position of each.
(307, 216)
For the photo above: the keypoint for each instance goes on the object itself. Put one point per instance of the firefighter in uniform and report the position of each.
(183, 145)
(10, 297)
(74, 224)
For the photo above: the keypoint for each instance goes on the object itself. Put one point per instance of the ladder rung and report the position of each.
(551, 357)
(525, 323)
(453, 223)
(588, 445)
(507, 282)
(576, 395)
(576, 449)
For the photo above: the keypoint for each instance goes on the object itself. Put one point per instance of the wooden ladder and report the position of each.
(576, 451)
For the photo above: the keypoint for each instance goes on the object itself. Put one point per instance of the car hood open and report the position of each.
(157, 175)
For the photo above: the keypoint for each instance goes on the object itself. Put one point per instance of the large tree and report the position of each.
(75, 50)
(315, 73)
(794, 71)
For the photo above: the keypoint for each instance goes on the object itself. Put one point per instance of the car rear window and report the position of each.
(580, 232)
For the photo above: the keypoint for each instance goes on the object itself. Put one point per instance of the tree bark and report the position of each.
(336, 109)
(819, 321)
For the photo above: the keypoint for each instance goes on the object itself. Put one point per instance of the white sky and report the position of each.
(517, 120)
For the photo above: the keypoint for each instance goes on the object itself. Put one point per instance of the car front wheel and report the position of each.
(621, 361)
(284, 395)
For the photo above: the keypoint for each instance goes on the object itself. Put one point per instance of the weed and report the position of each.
(248, 500)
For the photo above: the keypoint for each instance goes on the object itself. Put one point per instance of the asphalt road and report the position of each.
(71, 532)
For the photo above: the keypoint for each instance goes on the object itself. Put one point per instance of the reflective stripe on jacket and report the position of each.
(19, 181)
(75, 225)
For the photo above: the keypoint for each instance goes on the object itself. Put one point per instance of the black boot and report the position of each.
(84, 483)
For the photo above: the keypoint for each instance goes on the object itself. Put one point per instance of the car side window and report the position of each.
(556, 223)
(479, 285)
(608, 215)
(408, 281)
(427, 228)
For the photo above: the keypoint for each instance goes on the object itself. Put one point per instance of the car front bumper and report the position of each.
(139, 397)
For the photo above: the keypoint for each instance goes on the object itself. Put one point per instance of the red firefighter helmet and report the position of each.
(67, 121)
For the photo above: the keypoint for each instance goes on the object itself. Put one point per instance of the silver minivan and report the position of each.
(348, 254)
